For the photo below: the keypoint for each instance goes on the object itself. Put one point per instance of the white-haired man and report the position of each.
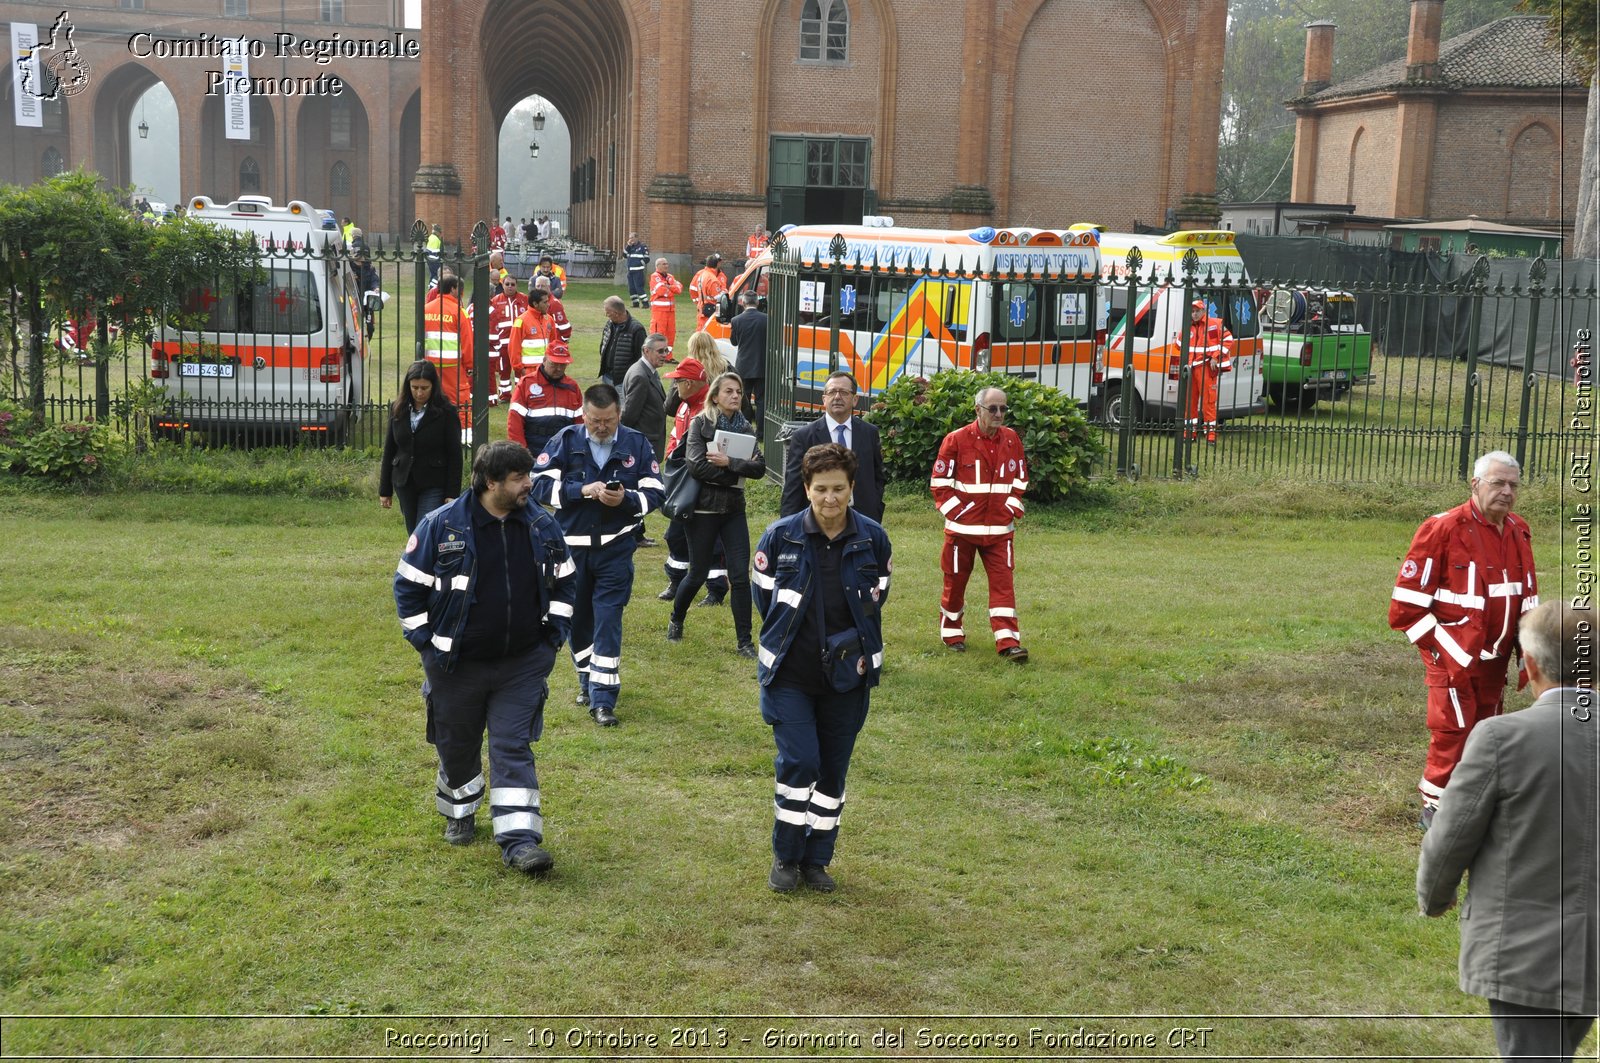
(1462, 588)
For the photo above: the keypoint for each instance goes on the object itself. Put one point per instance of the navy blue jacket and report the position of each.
(782, 586)
(433, 586)
(638, 256)
(566, 464)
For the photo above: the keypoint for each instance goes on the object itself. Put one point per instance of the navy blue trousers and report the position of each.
(815, 737)
(507, 696)
(605, 583)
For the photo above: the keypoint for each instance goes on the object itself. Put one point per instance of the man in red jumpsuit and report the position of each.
(504, 309)
(1462, 589)
(1210, 355)
(978, 481)
(664, 290)
(705, 287)
(531, 334)
(447, 343)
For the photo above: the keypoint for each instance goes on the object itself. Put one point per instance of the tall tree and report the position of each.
(1574, 27)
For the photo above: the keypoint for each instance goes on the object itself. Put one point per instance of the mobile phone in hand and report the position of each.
(614, 485)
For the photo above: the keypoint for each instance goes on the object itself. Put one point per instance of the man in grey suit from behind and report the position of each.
(1519, 816)
(839, 402)
(644, 403)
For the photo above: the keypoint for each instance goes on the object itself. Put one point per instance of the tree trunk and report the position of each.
(1586, 230)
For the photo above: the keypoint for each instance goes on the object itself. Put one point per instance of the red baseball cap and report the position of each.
(558, 354)
(688, 369)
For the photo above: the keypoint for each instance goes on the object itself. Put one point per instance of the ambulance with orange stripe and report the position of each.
(280, 355)
(1146, 322)
(1017, 300)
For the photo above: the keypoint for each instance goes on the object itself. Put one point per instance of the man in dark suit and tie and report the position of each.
(1518, 816)
(838, 424)
(748, 334)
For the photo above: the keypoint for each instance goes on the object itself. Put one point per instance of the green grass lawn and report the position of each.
(1196, 800)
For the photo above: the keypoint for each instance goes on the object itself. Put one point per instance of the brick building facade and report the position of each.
(1487, 123)
(690, 121)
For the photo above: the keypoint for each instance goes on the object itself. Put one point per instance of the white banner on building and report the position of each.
(26, 83)
(235, 83)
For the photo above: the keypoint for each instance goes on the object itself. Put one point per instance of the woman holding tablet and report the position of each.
(716, 435)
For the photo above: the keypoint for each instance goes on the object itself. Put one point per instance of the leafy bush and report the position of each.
(915, 414)
(63, 453)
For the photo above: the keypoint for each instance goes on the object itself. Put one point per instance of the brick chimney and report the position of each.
(1422, 45)
(1319, 57)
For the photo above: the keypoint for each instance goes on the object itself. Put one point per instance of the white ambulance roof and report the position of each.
(296, 224)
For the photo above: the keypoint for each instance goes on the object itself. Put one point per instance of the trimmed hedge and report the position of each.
(915, 413)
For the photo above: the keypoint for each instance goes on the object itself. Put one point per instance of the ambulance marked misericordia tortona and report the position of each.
(1017, 300)
(284, 356)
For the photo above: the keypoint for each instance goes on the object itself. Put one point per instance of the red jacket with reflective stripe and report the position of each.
(1210, 341)
(978, 483)
(503, 313)
(529, 339)
(664, 287)
(541, 407)
(1462, 589)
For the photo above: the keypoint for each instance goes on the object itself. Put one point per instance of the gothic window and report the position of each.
(52, 163)
(339, 180)
(825, 30)
(249, 177)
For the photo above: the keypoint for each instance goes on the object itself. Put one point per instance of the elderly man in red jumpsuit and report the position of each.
(1463, 587)
(978, 481)
(1210, 355)
(664, 292)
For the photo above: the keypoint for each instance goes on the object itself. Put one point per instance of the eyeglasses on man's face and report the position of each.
(996, 411)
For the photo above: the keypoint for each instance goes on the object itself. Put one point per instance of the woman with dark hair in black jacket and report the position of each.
(422, 449)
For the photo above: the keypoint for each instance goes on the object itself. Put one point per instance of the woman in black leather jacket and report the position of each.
(719, 511)
(422, 448)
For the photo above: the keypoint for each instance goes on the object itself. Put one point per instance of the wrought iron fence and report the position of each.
(1379, 379)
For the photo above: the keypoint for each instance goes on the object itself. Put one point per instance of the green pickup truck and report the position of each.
(1313, 347)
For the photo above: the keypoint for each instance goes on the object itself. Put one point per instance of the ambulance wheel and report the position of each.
(1112, 411)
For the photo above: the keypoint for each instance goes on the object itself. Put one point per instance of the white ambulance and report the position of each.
(1016, 300)
(1145, 323)
(279, 357)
